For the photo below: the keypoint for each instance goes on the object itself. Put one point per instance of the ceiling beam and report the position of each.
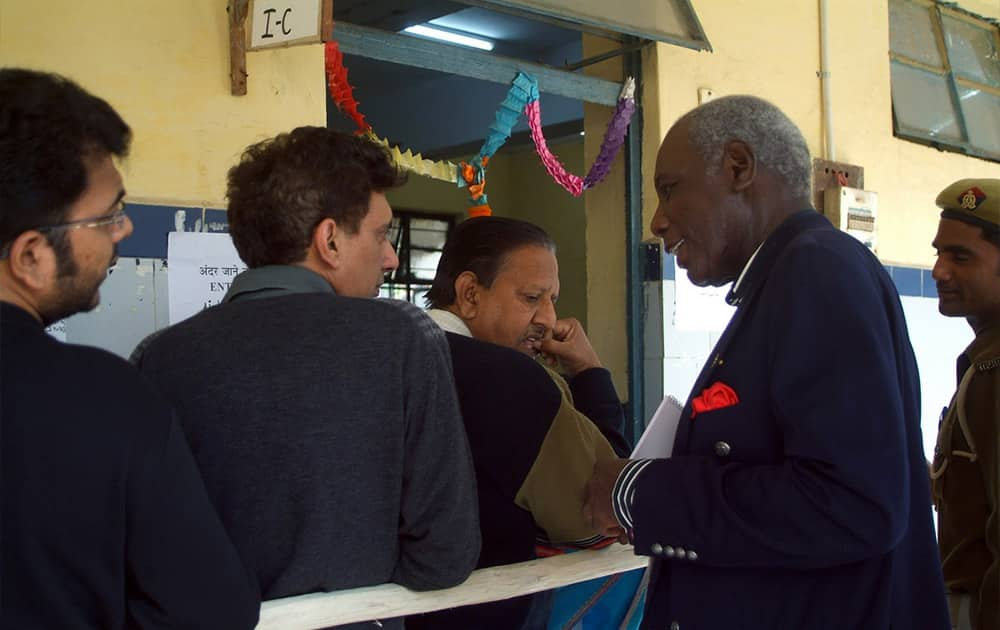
(421, 53)
(692, 35)
(393, 15)
(611, 54)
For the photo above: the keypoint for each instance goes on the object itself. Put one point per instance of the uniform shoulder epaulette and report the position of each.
(987, 365)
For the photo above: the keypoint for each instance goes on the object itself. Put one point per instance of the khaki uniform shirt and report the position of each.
(965, 478)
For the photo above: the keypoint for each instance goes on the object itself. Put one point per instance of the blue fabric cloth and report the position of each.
(598, 604)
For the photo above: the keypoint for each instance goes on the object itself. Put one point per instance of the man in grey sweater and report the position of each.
(326, 426)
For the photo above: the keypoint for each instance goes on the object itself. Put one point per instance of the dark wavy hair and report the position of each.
(284, 187)
(481, 245)
(49, 127)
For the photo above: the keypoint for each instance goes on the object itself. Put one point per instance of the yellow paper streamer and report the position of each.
(415, 163)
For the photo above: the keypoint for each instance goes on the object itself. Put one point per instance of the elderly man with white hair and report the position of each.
(797, 494)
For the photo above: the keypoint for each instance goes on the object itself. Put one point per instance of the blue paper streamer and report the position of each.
(523, 90)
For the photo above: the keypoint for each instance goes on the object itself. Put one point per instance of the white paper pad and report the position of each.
(657, 441)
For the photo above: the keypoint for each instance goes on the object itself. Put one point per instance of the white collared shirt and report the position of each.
(736, 285)
(449, 322)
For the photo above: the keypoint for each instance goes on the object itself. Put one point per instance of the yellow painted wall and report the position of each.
(423, 194)
(164, 65)
(533, 196)
(772, 49)
(606, 223)
(987, 8)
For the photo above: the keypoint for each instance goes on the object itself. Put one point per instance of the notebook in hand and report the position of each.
(657, 441)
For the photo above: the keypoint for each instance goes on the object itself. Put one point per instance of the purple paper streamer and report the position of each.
(614, 138)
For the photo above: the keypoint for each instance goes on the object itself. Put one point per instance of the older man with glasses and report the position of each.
(105, 520)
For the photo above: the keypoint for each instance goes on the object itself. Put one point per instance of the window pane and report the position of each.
(982, 118)
(394, 231)
(972, 51)
(419, 244)
(911, 33)
(419, 293)
(922, 102)
(429, 224)
(428, 233)
(394, 291)
(423, 265)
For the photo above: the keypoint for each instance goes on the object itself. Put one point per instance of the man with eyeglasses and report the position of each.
(105, 520)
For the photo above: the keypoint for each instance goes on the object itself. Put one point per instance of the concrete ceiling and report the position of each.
(441, 114)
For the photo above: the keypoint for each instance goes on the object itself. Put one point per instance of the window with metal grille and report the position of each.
(419, 239)
(945, 77)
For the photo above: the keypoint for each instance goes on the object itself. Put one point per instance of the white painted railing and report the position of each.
(385, 601)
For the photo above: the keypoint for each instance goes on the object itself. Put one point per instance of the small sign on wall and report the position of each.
(285, 22)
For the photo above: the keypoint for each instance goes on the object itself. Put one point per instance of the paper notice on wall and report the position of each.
(699, 308)
(201, 269)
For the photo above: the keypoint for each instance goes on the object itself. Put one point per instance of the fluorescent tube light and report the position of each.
(449, 36)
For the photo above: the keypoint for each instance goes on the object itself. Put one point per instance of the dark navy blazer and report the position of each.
(805, 506)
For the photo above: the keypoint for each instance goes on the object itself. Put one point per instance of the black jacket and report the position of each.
(534, 447)
(105, 520)
(805, 503)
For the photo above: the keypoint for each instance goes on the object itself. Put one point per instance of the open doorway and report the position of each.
(440, 100)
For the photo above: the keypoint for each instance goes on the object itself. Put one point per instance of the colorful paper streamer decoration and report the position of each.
(415, 163)
(340, 88)
(474, 176)
(522, 97)
(524, 94)
(523, 90)
(555, 168)
(342, 94)
(614, 137)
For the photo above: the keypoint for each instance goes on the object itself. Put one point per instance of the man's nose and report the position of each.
(546, 315)
(941, 272)
(390, 262)
(660, 223)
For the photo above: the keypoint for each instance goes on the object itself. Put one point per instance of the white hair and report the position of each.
(774, 139)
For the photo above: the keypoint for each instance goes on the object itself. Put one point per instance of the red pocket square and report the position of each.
(717, 396)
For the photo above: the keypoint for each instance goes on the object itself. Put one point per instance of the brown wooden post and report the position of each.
(326, 30)
(237, 10)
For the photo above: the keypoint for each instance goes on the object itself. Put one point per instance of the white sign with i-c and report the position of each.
(284, 22)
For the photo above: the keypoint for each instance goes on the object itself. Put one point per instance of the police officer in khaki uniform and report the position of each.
(965, 474)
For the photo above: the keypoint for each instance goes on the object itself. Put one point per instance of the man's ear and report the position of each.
(324, 242)
(467, 290)
(32, 261)
(740, 164)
